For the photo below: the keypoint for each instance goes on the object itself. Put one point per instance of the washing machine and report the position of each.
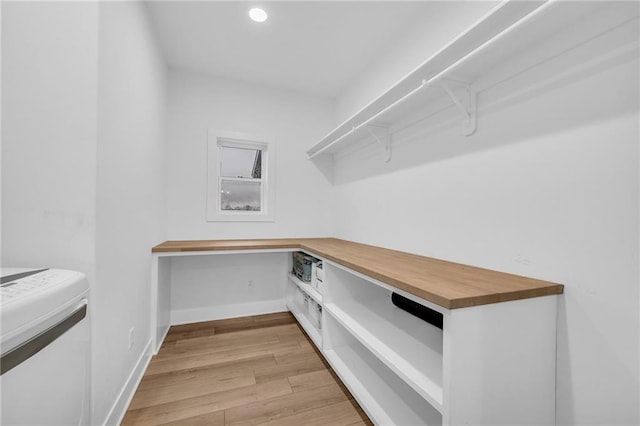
(45, 347)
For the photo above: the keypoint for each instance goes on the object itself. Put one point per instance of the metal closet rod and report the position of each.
(443, 74)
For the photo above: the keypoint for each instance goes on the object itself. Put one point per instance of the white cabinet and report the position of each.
(489, 364)
(493, 361)
(499, 363)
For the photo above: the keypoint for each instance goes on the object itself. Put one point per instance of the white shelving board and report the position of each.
(407, 345)
(386, 399)
(306, 287)
(506, 31)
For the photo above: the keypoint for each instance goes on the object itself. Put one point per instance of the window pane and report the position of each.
(240, 162)
(244, 196)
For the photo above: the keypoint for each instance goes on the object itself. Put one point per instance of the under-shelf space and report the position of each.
(382, 394)
(302, 319)
(409, 346)
(306, 310)
(306, 287)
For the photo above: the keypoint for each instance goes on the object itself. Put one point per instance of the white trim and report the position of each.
(119, 407)
(215, 252)
(159, 343)
(187, 316)
(159, 278)
(232, 179)
(153, 295)
(240, 142)
(216, 138)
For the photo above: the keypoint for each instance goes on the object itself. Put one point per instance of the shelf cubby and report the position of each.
(295, 303)
(407, 345)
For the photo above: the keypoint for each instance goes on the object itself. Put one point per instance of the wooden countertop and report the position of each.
(447, 284)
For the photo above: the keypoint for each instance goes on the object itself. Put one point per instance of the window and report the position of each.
(240, 177)
(239, 185)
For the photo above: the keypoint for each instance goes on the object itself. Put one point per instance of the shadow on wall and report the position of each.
(548, 70)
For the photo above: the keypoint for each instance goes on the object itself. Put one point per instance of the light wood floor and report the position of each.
(259, 370)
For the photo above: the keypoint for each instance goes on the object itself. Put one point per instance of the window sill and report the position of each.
(240, 217)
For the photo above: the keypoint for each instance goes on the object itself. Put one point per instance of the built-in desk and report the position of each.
(447, 284)
(493, 361)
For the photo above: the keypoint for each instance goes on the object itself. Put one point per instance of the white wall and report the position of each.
(547, 188)
(131, 207)
(225, 286)
(197, 103)
(49, 82)
(83, 165)
(49, 136)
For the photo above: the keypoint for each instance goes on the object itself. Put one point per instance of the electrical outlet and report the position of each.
(131, 336)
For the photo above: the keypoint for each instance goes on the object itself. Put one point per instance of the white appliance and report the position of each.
(45, 347)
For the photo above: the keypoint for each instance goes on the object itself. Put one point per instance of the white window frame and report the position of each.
(216, 139)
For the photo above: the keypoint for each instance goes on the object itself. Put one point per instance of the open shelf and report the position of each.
(386, 399)
(311, 331)
(295, 292)
(306, 287)
(448, 76)
(407, 345)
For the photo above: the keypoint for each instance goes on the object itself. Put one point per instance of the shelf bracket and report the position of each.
(381, 135)
(467, 106)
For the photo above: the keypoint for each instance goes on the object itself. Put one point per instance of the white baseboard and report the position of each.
(119, 408)
(186, 316)
(160, 341)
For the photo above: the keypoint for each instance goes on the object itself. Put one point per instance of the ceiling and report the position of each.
(316, 47)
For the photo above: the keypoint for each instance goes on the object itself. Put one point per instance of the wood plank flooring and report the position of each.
(258, 370)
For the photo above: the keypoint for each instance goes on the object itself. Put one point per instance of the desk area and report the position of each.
(498, 330)
(450, 285)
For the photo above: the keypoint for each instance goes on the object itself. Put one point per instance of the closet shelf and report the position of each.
(505, 31)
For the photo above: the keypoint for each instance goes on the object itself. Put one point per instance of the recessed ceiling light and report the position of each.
(257, 14)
